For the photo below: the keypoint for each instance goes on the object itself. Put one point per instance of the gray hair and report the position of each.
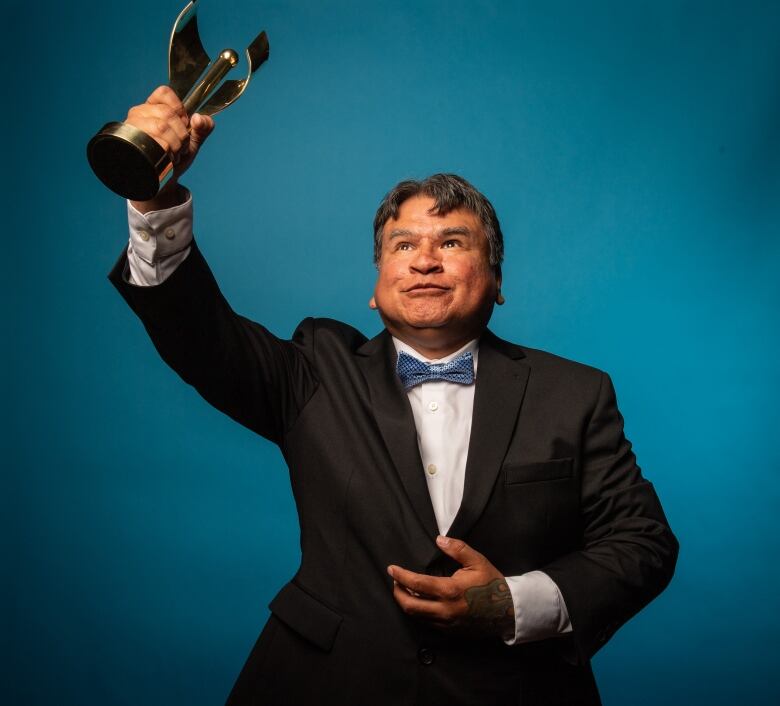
(450, 192)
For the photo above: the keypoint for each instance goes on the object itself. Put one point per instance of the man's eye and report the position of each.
(451, 244)
(403, 246)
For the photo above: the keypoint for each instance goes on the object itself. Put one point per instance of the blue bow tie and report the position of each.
(414, 372)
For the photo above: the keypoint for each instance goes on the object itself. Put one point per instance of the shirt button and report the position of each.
(170, 233)
(426, 656)
(432, 469)
(433, 406)
(144, 235)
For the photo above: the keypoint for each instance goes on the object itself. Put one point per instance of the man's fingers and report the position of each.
(460, 551)
(163, 117)
(166, 116)
(164, 95)
(422, 607)
(437, 587)
(162, 132)
(201, 125)
(163, 123)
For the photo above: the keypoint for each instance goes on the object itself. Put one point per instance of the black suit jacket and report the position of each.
(551, 483)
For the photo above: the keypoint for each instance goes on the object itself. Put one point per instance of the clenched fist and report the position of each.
(163, 118)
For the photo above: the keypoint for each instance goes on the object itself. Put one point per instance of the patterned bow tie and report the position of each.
(414, 372)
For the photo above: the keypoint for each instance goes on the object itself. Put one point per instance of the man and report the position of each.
(474, 526)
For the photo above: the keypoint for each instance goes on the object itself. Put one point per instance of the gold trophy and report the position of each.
(133, 164)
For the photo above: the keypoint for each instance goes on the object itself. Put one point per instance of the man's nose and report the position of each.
(425, 261)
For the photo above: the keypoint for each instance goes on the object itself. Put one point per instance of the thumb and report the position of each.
(201, 125)
(460, 551)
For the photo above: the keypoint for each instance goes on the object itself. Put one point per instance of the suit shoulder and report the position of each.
(328, 333)
(565, 380)
(556, 364)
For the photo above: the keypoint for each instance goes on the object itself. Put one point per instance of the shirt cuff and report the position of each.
(159, 242)
(540, 611)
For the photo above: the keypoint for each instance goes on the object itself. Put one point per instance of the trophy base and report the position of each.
(128, 161)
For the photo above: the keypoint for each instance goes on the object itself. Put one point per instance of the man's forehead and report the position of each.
(440, 231)
(418, 215)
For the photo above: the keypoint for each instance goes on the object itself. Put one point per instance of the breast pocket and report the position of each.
(554, 469)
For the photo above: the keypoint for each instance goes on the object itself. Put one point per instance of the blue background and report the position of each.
(632, 151)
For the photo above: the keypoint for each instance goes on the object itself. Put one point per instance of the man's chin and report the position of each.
(427, 317)
(423, 324)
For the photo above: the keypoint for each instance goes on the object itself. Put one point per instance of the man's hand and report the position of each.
(163, 117)
(475, 599)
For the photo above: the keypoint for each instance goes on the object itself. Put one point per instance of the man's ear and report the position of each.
(499, 297)
(372, 303)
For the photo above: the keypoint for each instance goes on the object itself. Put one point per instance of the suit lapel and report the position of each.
(394, 417)
(500, 387)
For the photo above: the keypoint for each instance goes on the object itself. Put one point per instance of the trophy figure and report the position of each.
(133, 164)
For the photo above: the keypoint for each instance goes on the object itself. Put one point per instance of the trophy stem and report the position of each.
(217, 71)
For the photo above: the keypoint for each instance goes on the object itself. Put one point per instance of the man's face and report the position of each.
(435, 286)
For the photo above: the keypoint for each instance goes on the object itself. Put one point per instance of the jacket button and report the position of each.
(426, 656)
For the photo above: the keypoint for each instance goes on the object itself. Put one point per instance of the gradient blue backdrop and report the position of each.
(632, 150)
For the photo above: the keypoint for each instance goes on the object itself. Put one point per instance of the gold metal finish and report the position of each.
(132, 163)
(230, 91)
(187, 59)
(217, 71)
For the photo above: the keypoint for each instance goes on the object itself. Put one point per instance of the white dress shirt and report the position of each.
(442, 414)
(160, 241)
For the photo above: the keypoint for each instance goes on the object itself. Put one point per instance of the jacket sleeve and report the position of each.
(628, 552)
(237, 365)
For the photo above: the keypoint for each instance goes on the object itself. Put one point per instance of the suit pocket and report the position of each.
(306, 615)
(555, 469)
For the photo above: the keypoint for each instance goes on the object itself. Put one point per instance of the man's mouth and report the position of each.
(426, 285)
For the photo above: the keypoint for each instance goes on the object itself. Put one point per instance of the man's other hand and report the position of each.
(163, 118)
(475, 600)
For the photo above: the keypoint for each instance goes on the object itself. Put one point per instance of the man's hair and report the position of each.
(449, 192)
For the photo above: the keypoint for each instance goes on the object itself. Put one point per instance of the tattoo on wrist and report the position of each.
(491, 610)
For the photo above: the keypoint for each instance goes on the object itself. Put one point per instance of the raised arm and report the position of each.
(235, 364)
